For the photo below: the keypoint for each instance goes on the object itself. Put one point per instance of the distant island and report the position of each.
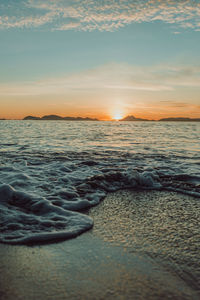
(58, 118)
(132, 118)
(179, 119)
(129, 118)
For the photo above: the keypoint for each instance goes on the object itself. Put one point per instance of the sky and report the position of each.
(102, 59)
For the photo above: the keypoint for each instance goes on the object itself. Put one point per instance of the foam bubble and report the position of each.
(28, 219)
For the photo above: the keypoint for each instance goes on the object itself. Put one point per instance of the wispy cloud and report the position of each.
(110, 78)
(88, 15)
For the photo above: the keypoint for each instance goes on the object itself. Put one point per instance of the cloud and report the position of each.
(29, 21)
(88, 15)
(177, 104)
(110, 78)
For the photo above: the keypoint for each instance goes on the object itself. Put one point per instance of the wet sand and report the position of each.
(144, 245)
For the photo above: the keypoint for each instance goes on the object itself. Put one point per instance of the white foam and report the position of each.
(28, 219)
(32, 217)
(45, 179)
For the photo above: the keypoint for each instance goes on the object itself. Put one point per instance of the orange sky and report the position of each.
(18, 109)
(96, 59)
(105, 91)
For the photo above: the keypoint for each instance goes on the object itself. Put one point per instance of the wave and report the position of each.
(41, 198)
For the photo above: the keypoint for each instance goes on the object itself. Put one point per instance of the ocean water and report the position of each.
(51, 171)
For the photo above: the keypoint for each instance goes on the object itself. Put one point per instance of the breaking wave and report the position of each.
(44, 192)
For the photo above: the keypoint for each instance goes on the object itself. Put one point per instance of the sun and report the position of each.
(117, 115)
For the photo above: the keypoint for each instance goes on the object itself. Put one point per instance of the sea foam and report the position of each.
(51, 172)
(29, 218)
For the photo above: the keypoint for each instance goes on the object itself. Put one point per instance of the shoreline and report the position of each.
(131, 253)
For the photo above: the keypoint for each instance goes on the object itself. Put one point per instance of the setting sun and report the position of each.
(117, 115)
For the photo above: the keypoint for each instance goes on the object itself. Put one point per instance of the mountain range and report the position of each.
(129, 118)
(179, 119)
(58, 118)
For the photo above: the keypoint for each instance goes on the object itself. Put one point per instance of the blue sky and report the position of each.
(99, 58)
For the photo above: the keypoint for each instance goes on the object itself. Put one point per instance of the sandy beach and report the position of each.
(144, 245)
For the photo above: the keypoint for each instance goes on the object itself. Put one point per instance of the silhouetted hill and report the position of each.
(79, 119)
(132, 118)
(58, 118)
(31, 118)
(51, 117)
(128, 118)
(180, 120)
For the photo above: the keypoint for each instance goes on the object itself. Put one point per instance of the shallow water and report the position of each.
(49, 170)
(163, 226)
(136, 250)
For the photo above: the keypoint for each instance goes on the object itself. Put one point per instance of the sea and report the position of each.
(52, 172)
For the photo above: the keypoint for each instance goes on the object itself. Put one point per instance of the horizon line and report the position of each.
(84, 118)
